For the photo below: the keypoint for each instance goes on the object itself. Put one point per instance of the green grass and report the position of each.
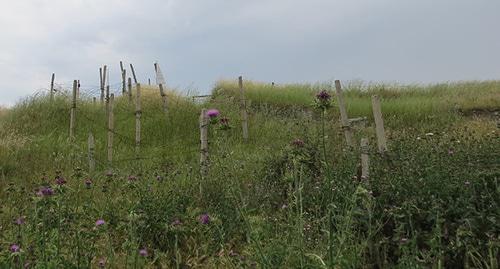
(431, 202)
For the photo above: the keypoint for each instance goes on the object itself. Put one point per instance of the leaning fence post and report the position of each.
(111, 127)
(52, 86)
(129, 85)
(72, 112)
(379, 124)
(203, 143)
(365, 162)
(91, 147)
(133, 73)
(137, 119)
(243, 108)
(163, 98)
(346, 126)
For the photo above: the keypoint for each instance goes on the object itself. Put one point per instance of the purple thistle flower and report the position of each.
(101, 263)
(212, 113)
(205, 218)
(60, 180)
(20, 220)
(143, 252)
(45, 191)
(323, 96)
(99, 222)
(14, 248)
(298, 143)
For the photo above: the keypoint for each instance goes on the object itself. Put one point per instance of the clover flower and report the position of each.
(204, 218)
(143, 252)
(99, 222)
(14, 248)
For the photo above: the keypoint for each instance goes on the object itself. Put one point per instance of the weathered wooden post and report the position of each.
(107, 99)
(243, 109)
(124, 78)
(129, 84)
(379, 124)
(149, 81)
(78, 89)
(52, 86)
(72, 113)
(103, 84)
(91, 154)
(365, 162)
(94, 100)
(203, 143)
(133, 73)
(344, 119)
(111, 127)
(163, 98)
(138, 119)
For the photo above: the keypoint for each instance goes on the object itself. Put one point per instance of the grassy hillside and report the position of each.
(290, 197)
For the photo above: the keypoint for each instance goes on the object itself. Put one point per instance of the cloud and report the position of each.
(198, 42)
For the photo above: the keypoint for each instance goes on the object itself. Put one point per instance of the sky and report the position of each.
(197, 42)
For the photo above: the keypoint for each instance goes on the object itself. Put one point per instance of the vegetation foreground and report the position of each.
(290, 197)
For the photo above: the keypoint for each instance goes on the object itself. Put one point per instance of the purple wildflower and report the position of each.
(14, 248)
(205, 218)
(224, 124)
(45, 191)
(60, 180)
(99, 222)
(143, 252)
(212, 113)
(298, 143)
(176, 222)
(323, 96)
(20, 220)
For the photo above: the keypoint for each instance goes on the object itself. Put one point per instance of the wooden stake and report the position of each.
(379, 124)
(107, 99)
(104, 71)
(72, 113)
(111, 127)
(91, 147)
(124, 81)
(129, 85)
(243, 109)
(163, 98)
(138, 119)
(203, 143)
(344, 119)
(149, 81)
(52, 86)
(78, 89)
(365, 162)
(133, 73)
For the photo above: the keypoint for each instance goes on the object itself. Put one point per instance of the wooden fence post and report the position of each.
(203, 143)
(138, 119)
(243, 108)
(111, 127)
(344, 119)
(163, 98)
(379, 124)
(103, 83)
(124, 78)
(72, 113)
(78, 89)
(91, 147)
(365, 163)
(133, 73)
(129, 85)
(107, 99)
(52, 86)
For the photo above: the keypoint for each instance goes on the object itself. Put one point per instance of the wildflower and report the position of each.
(212, 113)
(88, 183)
(205, 219)
(224, 124)
(60, 180)
(159, 178)
(45, 191)
(323, 99)
(99, 222)
(298, 143)
(143, 252)
(14, 248)
(20, 220)
(101, 263)
(176, 222)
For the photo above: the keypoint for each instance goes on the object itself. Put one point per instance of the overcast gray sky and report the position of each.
(198, 42)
